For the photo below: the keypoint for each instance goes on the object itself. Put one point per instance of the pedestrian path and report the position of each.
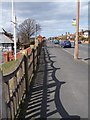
(43, 99)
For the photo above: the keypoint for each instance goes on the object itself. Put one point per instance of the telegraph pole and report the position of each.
(77, 29)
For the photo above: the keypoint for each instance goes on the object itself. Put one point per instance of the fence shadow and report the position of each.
(43, 100)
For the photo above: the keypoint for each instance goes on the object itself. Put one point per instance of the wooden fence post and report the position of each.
(26, 73)
(3, 106)
(39, 49)
(33, 51)
(37, 55)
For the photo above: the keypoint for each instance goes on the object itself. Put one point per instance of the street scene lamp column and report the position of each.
(14, 27)
(15, 37)
(77, 30)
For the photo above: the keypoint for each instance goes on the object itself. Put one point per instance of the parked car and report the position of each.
(79, 42)
(56, 41)
(65, 43)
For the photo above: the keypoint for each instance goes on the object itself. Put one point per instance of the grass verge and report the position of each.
(9, 66)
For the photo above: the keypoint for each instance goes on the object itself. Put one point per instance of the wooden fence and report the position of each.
(16, 84)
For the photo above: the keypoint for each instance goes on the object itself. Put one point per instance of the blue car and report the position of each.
(65, 43)
(79, 42)
(56, 41)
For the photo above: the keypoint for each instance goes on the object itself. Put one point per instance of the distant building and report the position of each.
(6, 43)
(39, 38)
(86, 33)
(71, 36)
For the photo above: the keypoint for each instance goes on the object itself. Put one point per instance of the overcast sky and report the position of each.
(55, 18)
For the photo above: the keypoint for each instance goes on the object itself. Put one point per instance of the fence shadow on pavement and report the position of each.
(43, 100)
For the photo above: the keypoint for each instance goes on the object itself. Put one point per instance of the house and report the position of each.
(6, 43)
(86, 33)
(71, 36)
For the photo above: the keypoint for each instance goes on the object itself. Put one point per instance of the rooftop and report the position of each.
(5, 39)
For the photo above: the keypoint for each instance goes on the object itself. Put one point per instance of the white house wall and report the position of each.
(5, 39)
(86, 34)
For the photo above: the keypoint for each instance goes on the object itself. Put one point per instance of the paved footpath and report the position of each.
(50, 95)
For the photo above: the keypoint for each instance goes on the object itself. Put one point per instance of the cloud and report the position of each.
(54, 17)
(44, 1)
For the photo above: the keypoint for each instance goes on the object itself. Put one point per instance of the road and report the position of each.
(73, 77)
(83, 52)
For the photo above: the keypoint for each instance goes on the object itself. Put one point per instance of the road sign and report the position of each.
(74, 22)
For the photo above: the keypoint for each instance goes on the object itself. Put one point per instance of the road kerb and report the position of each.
(72, 55)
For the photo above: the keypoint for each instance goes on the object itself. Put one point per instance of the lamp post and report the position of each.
(15, 37)
(77, 30)
(14, 27)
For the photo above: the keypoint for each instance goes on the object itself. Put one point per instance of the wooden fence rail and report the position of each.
(16, 84)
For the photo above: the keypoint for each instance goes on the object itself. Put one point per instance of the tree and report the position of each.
(27, 29)
(18, 43)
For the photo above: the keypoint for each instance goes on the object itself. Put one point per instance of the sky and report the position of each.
(54, 17)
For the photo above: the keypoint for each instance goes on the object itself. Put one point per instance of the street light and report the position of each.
(14, 24)
(77, 30)
(14, 27)
(15, 37)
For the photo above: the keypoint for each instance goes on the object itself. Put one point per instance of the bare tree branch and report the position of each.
(27, 29)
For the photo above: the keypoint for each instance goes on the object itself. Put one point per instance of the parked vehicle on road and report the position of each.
(56, 41)
(65, 43)
(79, 42)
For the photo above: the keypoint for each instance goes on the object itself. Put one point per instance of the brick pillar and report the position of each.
(6, 57)
(18, 55)
(10, 54)
(28, 50)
